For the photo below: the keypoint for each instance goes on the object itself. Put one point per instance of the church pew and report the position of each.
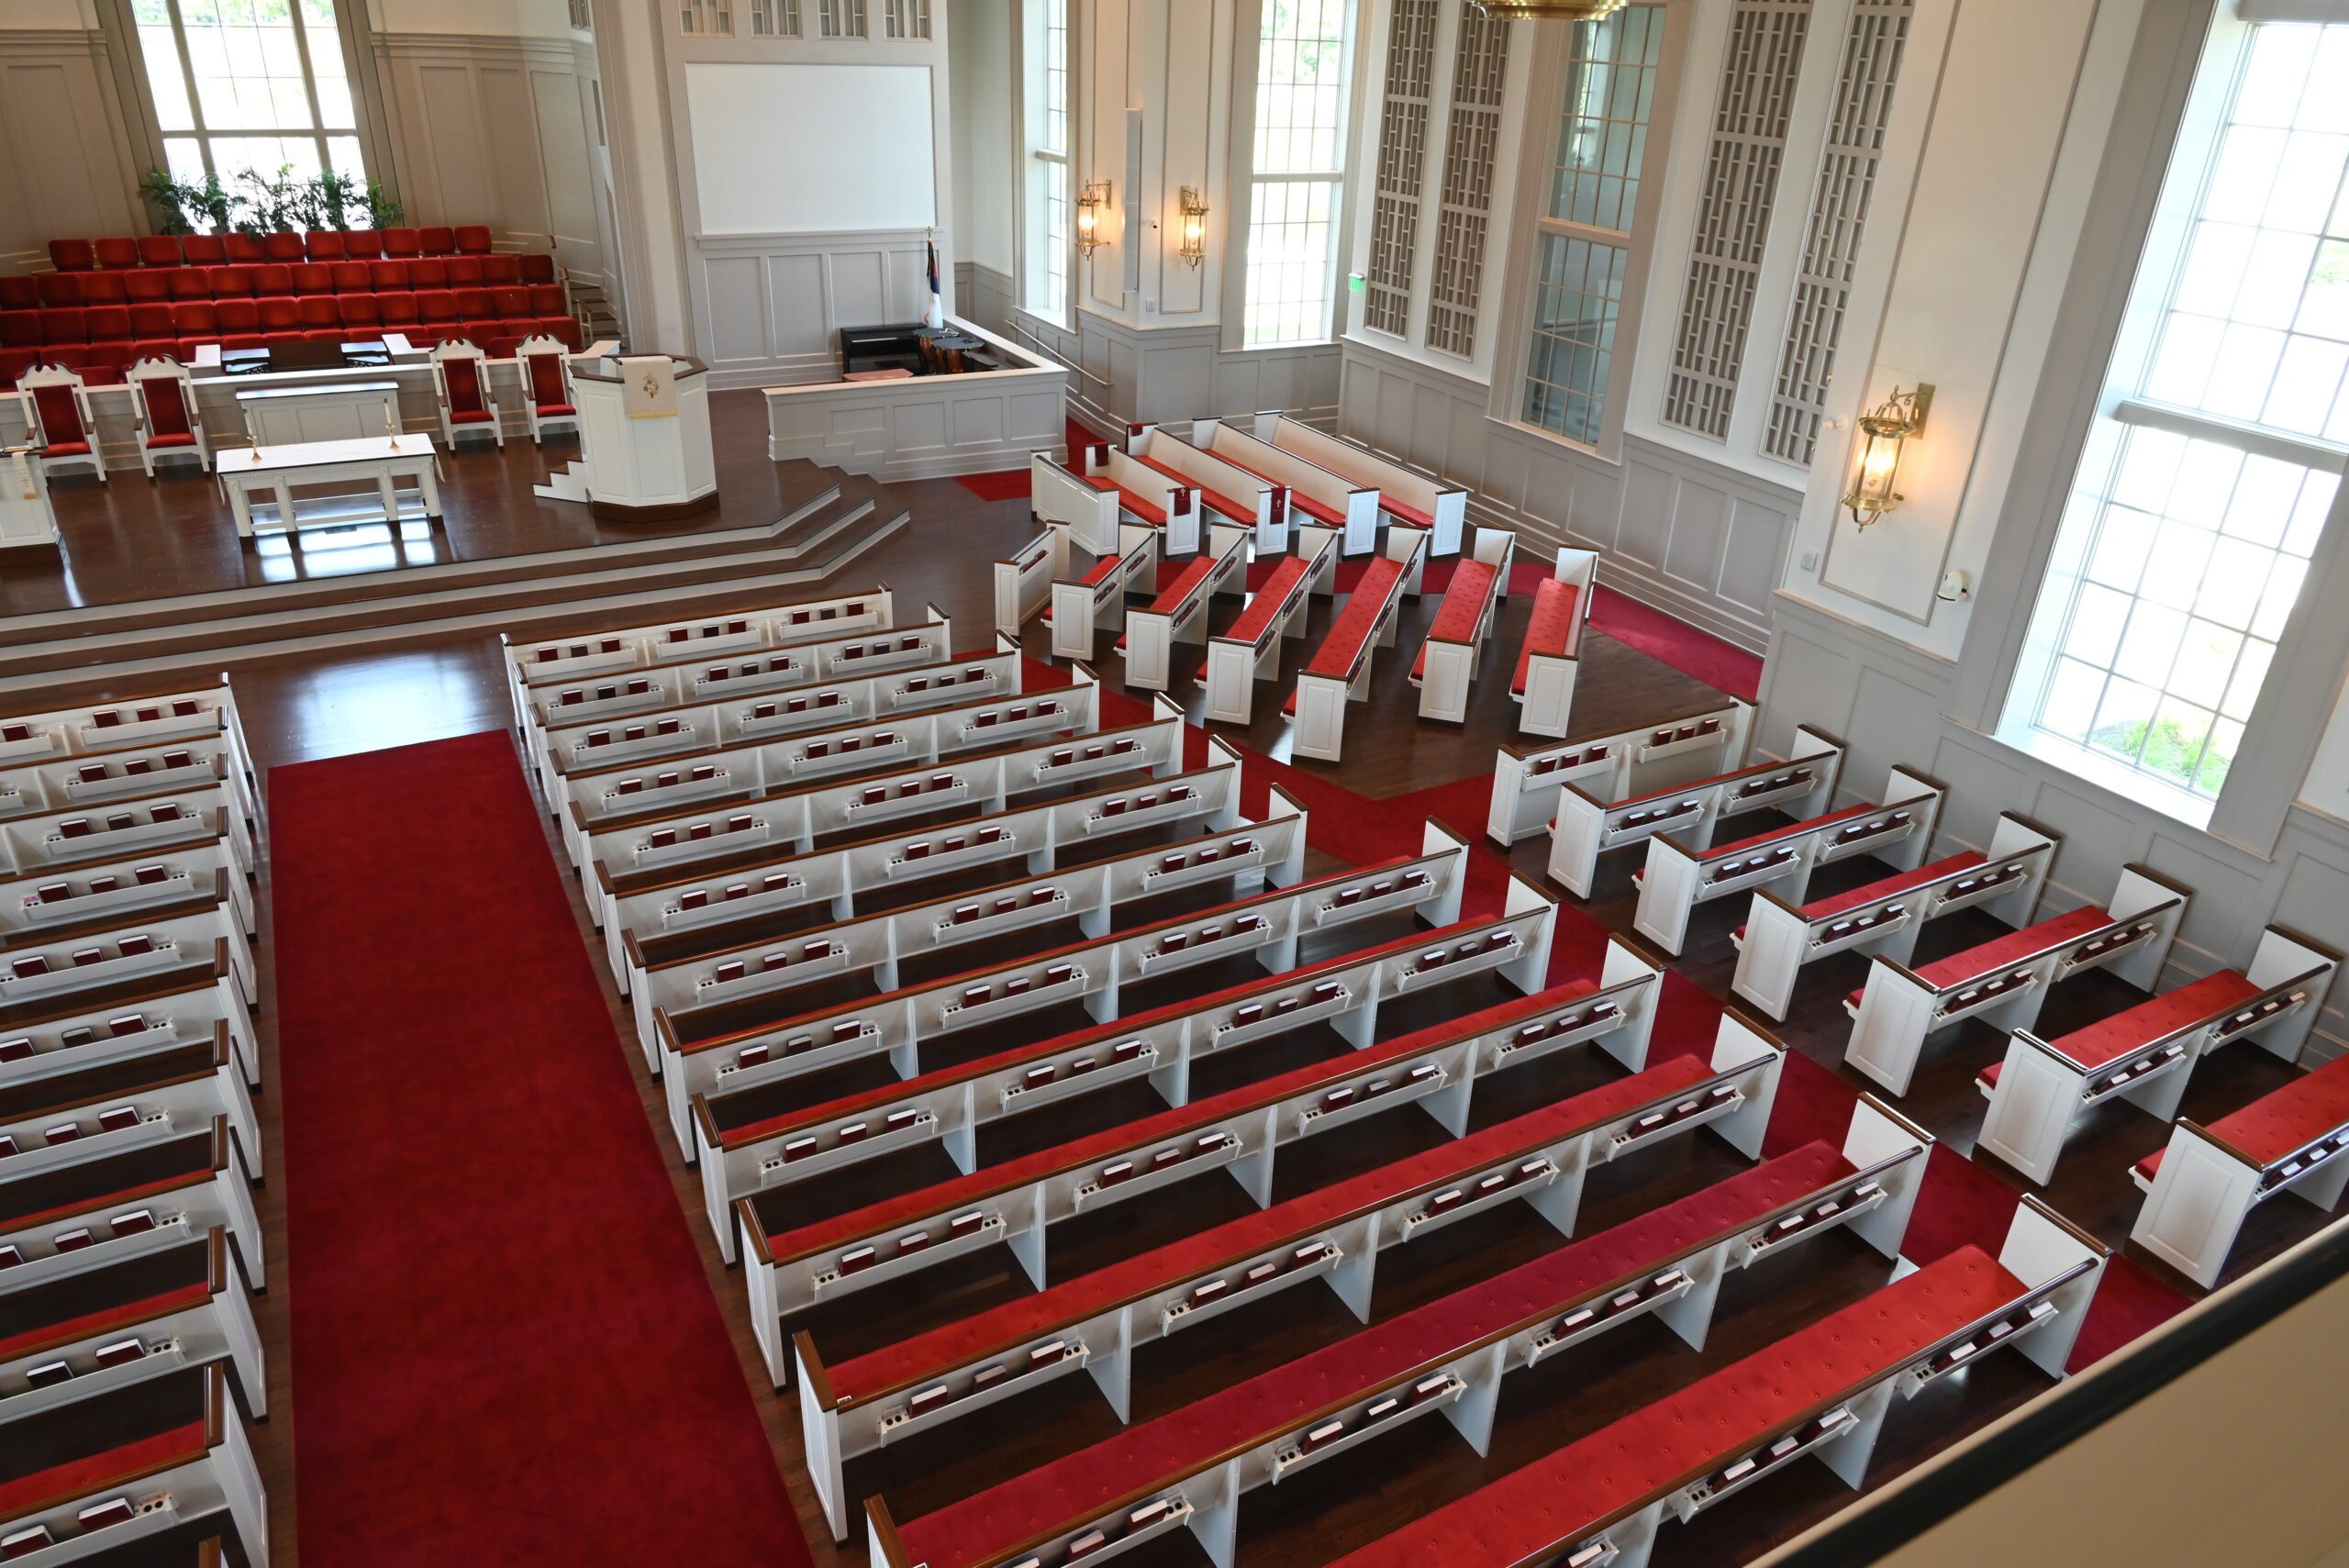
(1471, 601)
(1267, 927)
(109, 1212)
(1586, 827)
(1884, 916)
(1527, 780)
(548, 702)
(1824, 1390)
(1249, 650)
(175, 1477)
(178, 714)
(672, 734)
(1179, 611)
(50, 1056)
(1060, 495)
(1165, 503)
(2201, 1187)
(1406, 495)
(1023, 581)
(1084, 604)
(1542, 1156)
(2006, 980)
(629, 802)
(1329, 499)
(96, 781)
(1250, 501)
(1551, 656)
(608, 650)
(47, 970)
(1452, 1354)
(1434, 1066)
(747, 888)
(125, 826)
(114, 890)
(1680, 875)
(121, 1331)
(1339, 671)
(1253, 855)
(123, 1123)
(2146, 1054)
(683, 841)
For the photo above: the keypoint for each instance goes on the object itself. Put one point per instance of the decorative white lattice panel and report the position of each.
(774, 19)
(1839, 211)
(712, 17)
(1402, 158)
(907, 19)
(1472, 141)
(841, 18)
(1749, 146)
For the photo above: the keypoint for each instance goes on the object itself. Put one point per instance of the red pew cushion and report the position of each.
(1238, 511)
(1756, 840)
(2109, 1040)
(1257, 619)
(1351, 632)
(102, 1471)
(1558, 1499)
(1958, 968)
(1555, 629)
(1463, 605)
(1886, 887)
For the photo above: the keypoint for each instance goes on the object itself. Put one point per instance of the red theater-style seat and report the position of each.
(60, 288)
(279, 314)
(71, 255)
(318, 310)
(435, 307)
(122, 252)
(273, 278)
(362, 245)
(464, 271)
(323, 245)
(403, 242)
(397, 309)
(191, 283)
(246, 250)
(18, 292)
(196, 318)
(283, 247)
(428, 272)
(65, 324)
(359, 310)
(538, 267)
(313, 277)
(501, 272)
(232, 283)
(19, 329)
(102, 288)
(161, 250)
(512, 304)
(385, 276)
(148, 285)
(473, 238)
(438, 241)
(204, 250)
(350, 277)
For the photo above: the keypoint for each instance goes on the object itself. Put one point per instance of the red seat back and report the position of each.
(282, 246)
(71, 255)
(396, 308)
(313, 277)
(538, 267)
(18, 291)
(273, 277)
(246, 250)
(513, 303)
(464, 271)
(435, 307)
(59, 414)
(473, 238)
(364, 244)
(359, 310)
(64, 324)
(383, 277)
(477, 304)
(232, 283)
(546, 381)
(191, 283)
(350, 277)
(147, 283)
(280, 313)
(238, 315)
(151, 319)
(159, 250)
(501, 272)
(20, 328)
(546, 299)
(108, 323)
(428, 272)
(318, 310)
(60, 288)
(204, 250)
(323, 244)
(463, 377)
(122, 252)
(195, 318)
(437, 241)
(166, 407)
(403, 242)
(102, 288)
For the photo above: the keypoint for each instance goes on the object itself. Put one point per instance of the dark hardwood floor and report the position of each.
(299, 709)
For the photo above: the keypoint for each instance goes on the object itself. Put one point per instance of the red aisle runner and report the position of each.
(504, 1347)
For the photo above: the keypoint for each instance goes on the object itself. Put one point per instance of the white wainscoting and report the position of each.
(1887, 700)
(496, 131)
(1698, 540)
(66, 171)
(925, 426)
(1124, 373)
(768, 307)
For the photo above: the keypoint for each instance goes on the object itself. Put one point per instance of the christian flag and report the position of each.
(935, 315)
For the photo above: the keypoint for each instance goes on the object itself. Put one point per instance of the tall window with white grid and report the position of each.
(253, 85)
(1297, 176)
(2211, 468)
(1583, 243)
(1047, 248)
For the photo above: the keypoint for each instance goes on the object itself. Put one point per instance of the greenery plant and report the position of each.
(251, 202)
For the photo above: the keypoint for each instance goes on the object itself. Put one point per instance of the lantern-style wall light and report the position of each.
(1883, 429)
(1090, 205)
(1191, 242)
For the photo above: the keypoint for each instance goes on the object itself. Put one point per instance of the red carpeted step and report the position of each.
(1464, 603)
(1556, 627)
(500, 1325)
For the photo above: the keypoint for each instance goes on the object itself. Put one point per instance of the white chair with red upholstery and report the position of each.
(547, 401)
(57, 410)
(461, 380)
(162, 395)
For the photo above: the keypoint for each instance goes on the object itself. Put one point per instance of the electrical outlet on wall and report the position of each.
(1810, 560)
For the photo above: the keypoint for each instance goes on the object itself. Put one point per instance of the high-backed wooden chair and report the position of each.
(461, 378)
(546, 400)
(162, 395)
(57, 408)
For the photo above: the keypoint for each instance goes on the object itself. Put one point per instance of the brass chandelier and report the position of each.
(1549, 10)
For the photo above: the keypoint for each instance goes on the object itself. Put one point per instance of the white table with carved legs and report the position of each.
(381, 462)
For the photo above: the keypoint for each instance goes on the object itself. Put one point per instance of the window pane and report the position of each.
(1610, 81)
(1577, 293)
(1300, 130)
(244, 78)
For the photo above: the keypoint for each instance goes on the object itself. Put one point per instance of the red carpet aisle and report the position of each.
(504, 1348)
